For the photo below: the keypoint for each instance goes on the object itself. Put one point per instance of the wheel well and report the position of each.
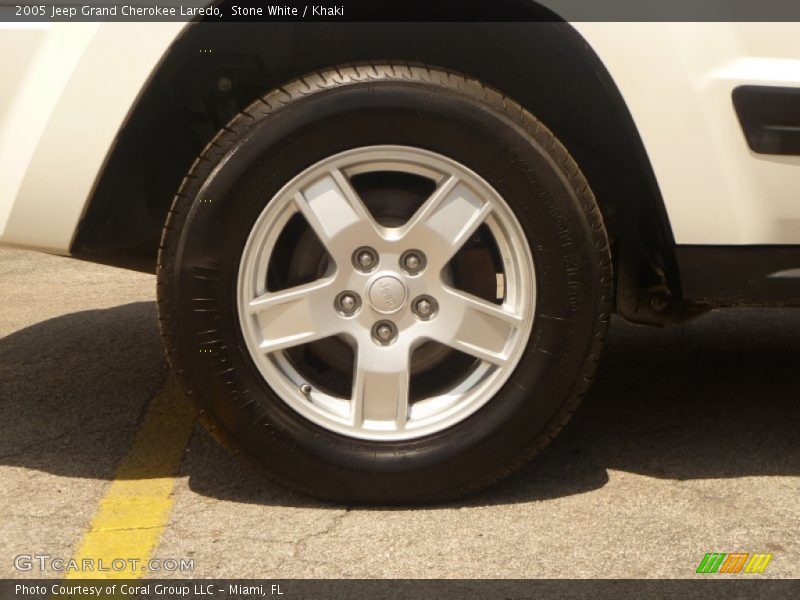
(547, 67)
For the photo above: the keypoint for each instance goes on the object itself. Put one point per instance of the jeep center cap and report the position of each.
(387, 294)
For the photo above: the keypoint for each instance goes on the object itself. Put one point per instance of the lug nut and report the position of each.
(384, 332)
(412, 261)
(424, 307)
(305, 389)
(365, 259)
(347, 303)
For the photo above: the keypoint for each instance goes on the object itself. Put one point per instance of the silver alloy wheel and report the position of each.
(379, 406)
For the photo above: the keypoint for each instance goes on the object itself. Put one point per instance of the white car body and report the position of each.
(71, 86)
(62, 101)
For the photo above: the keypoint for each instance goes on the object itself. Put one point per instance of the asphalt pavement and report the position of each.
(688, 443)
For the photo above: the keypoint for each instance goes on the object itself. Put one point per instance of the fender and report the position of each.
(62, 102)
(66, 97)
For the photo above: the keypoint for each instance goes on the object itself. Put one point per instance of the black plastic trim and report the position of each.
(770, 118)
(741, 275)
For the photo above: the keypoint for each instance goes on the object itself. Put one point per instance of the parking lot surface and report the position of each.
(688, 443)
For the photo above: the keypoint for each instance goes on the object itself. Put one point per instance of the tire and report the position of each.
(334, 113)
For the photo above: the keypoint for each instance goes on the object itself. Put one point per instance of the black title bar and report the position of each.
(400, 10)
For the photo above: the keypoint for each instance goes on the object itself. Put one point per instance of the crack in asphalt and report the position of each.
(300, 543)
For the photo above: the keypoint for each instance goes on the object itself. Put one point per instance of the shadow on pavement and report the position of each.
(74, 388)
(716, 398)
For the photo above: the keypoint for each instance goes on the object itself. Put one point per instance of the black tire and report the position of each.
(328, 112)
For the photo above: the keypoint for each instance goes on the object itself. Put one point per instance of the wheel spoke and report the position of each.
(475, 326)
(380, 387)
(446, 220)
(295, 316)
(336, 213)
(386, 291)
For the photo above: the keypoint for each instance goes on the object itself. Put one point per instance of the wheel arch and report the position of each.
(547, 67)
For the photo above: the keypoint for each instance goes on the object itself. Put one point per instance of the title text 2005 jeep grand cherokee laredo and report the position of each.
(387, 253)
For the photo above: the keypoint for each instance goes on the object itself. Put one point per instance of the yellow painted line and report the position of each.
(135, 510)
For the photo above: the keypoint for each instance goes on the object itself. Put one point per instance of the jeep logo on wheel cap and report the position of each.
(387, 294)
